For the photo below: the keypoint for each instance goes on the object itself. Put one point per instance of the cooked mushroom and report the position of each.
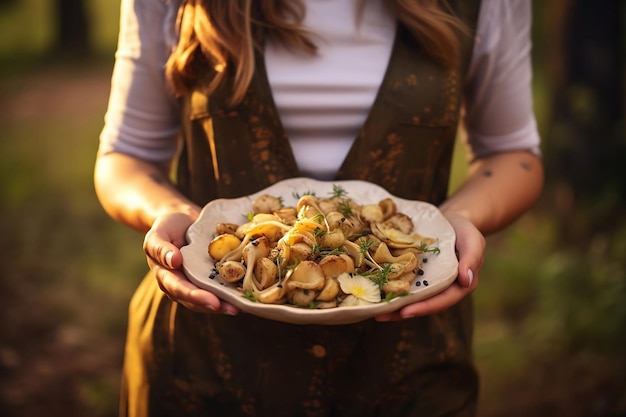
(256, 249)
(388, 206)
(231, 271)
(308, 207)
(352, 226)
(223, 228)
(326, 206)
(398, 265)
(307, 275)
(335, 219)
(287, 214)
(354, 251)
(302, 297)
(335, 265)
(266, 204)
(330, 290)
(236, 253)
(401, 222)
(332, 240)
(299, 251)
(269, 225)
(372, 213)
(395, 238)
(222, 245)
(396, 287)
(265, 273)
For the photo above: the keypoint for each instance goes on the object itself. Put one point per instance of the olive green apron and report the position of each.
(180, 363)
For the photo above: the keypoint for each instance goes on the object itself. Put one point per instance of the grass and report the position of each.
(27, 26)
(69, 269)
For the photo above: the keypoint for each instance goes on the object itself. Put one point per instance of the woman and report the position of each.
(238, 95)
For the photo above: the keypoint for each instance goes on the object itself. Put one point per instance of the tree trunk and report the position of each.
(73, 35)
(585, 145)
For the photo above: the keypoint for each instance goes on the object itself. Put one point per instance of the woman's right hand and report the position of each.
(162, 246)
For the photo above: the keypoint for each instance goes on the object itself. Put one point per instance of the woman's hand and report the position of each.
(162, 246)
(139, 194)
(470, 247)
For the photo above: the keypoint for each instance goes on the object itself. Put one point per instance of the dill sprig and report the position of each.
(345, 208)
(297, 195)
(250, 296)
(338, 191)
(364, 249)
(423, 247)
(381, 276)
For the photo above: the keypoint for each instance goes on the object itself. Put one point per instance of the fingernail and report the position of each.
(168, 259)
(210, 307)
(470, 275)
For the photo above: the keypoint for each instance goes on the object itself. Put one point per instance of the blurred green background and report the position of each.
(551, 308)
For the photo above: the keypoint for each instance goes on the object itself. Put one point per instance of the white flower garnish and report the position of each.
(360, 290)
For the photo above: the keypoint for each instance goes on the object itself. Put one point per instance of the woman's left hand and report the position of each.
(470, 247)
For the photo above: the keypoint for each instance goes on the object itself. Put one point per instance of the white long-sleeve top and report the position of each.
(324, 99)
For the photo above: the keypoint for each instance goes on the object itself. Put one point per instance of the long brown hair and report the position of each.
(215, 34)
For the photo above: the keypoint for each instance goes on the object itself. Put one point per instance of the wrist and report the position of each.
(181, 207)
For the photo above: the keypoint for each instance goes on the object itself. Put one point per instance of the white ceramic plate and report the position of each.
(439, 271)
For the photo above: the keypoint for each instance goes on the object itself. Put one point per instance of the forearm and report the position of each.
(136, 192)
(498, 190)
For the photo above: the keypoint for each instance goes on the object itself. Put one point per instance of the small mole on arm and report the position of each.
(525, 165)
(488, 173)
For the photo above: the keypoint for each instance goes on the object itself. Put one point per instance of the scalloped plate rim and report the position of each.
(197, 265)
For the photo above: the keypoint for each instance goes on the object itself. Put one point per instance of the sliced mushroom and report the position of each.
(253, 251)
(395, 238)
(307, 275)
(383, 255)
(401, 222)
(265, 273)
(388, 206)
(372, 213)
(326, 206)
(308, 208)
(352, 226)
(396, 287)
(272, 228)
(330, 290)
(288, 215)
(398, 265)
(271, 295)
(335, 219)
(335, 265)
(354, 251)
